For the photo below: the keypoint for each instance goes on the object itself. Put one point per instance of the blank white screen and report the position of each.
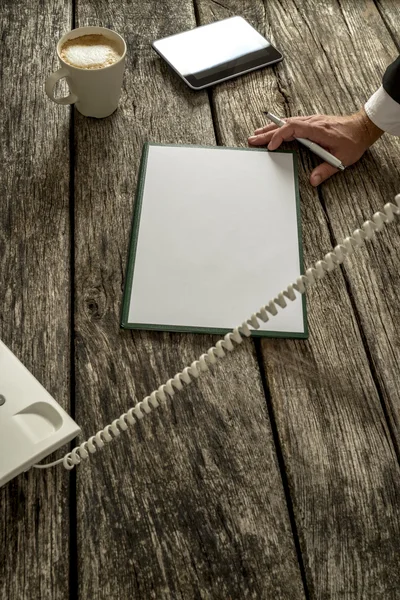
(211, 45)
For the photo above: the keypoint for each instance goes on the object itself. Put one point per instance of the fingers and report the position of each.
(272, 126)
(263, 135)
(298, 129)
(274, 135)
(266, 128)
(322, 173)
(262, 139)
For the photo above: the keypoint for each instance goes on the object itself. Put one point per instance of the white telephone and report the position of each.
(32, 424)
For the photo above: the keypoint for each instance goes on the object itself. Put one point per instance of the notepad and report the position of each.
(216, 234)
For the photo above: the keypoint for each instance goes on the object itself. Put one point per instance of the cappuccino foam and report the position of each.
(93, 51)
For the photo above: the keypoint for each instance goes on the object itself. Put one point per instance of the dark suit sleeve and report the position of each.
(383, 108)
(391, 80)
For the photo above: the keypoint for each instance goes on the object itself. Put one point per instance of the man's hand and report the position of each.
(347, 138)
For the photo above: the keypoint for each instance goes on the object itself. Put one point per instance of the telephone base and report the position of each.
(32, 423)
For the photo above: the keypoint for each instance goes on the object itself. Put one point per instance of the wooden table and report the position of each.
(276, 476)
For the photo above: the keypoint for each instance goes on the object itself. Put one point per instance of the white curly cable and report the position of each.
(330, 262)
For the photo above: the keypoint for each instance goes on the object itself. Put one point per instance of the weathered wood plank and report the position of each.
(390, 13)
(341, 465)
(349, 200)
(34, 290)
(190, 503)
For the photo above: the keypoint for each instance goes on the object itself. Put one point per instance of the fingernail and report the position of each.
(271, 146)
(317, 179)
(252, 138)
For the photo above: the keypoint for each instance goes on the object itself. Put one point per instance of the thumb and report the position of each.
(321, 173)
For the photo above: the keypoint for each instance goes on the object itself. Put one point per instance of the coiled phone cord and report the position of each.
(313, 274)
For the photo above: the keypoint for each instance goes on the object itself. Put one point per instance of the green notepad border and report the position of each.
(134, 241)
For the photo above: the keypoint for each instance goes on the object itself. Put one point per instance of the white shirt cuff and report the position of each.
(384, 112)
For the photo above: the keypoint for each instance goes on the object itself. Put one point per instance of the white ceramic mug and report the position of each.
(95, 92)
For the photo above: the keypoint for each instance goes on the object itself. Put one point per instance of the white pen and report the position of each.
(324, 154)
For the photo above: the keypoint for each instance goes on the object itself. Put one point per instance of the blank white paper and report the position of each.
(218, 238)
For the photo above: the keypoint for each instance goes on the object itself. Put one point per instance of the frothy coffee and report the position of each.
(94, 51)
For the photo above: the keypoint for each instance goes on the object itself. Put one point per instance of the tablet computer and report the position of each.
(216, 52)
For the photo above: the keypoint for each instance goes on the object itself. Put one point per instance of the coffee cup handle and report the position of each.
(50, 84)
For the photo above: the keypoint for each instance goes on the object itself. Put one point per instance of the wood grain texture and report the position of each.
(340, 459)
(34, 290)
(390, 13)
(190, 503)
(373, 275)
